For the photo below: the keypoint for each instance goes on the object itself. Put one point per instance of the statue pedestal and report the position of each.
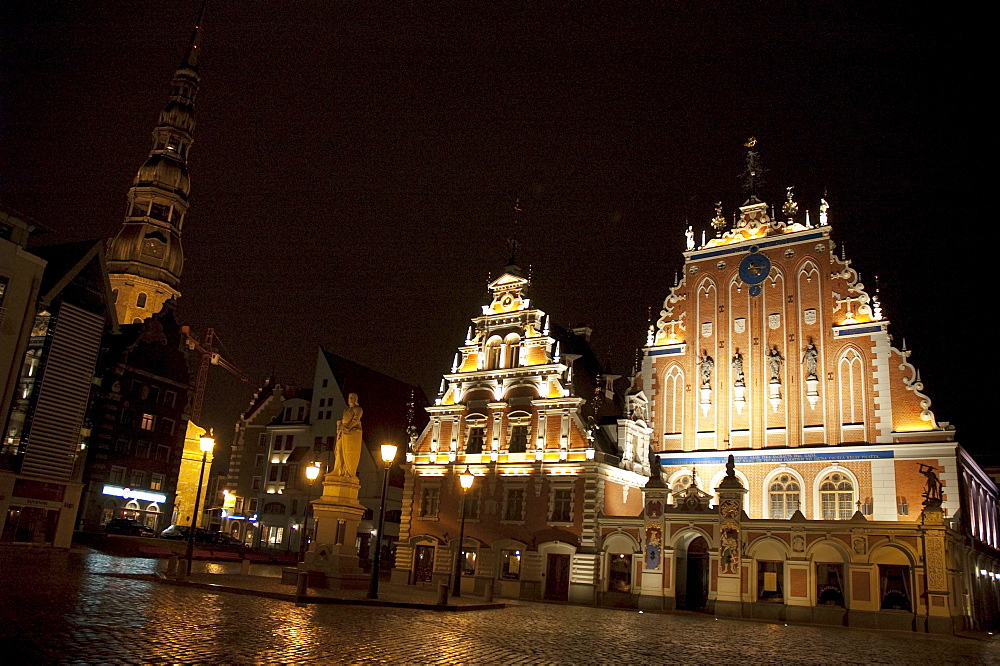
(332, 559)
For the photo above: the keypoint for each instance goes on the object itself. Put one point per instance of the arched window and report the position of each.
(784, 495)
(512, 351)
(114, 295)
(836, 496)
(679, 484)
(493, 354)
(140, 300)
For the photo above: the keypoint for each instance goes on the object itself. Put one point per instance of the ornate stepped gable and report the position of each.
(770, 339)
(511, 394)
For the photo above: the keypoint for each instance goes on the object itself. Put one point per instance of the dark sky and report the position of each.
(355, 164)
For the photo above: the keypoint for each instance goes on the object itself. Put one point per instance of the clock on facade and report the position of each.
(754, 269)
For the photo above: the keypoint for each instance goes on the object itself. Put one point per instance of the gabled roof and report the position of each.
(384, 400)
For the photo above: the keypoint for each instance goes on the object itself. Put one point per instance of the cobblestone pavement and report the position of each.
(59, 609)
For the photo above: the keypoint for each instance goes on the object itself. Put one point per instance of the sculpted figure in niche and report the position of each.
(707, 364)
(348, 450)
(810, 359)
(774, 361)
(738, 368)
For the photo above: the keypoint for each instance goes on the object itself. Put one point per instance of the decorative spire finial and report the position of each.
(790, 209)
(753, 175)
(718, 222)
(512, 241)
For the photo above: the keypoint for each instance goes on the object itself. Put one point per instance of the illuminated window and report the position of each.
(156, 482)
(562, 505)
(620, 573)
(148, 422)
(784, 493)
(430, 499)
(510, 564)
(769, 583)
(140, 300)
(469, 561)
(836, 494)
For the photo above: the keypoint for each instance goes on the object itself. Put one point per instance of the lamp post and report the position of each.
(312, 473)
(466, 478)
(207, 443)
(388, 455)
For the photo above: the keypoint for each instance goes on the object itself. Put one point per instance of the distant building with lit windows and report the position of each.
(287, 429)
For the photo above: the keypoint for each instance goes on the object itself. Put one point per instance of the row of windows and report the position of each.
(837, 500)
(137, 390)
(143, 449)
(514, 503)
(137, 479)
(518, 442)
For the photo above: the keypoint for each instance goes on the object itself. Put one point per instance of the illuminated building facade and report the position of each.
(798, 472)
(771, 349)
(527, 410)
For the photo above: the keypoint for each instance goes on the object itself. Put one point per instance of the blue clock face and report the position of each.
(754, 267)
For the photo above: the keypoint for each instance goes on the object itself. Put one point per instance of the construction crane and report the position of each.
(208, 357)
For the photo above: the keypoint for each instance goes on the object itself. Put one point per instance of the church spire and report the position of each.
(145, 258)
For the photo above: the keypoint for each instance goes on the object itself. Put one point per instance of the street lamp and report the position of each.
(466, 478)
(312, 473)
(207, 443)
(388, 455)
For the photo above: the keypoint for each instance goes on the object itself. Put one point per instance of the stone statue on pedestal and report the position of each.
(348, 450)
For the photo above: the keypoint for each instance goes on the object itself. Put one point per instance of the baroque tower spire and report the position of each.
(145, 258)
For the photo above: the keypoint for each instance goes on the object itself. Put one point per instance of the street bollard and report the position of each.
(488, 592)
(442, 594)
(172, 566)
(245, 568)
(302, 584)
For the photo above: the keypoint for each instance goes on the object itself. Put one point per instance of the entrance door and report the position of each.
(696, 585)
(423, 570)
(557, 577)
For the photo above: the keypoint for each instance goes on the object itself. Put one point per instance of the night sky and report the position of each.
(355, 165)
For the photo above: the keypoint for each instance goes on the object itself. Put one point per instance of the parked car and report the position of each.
(129, 526)
(175, 532)
(201, 536)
